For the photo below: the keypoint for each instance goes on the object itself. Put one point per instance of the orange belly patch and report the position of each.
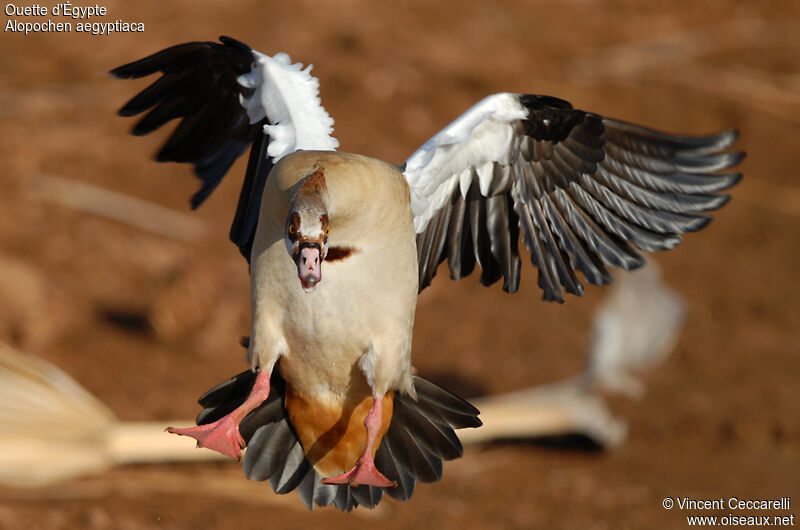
(332, 431)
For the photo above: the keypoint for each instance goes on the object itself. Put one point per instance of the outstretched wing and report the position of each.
(228, 97)
(579, 187)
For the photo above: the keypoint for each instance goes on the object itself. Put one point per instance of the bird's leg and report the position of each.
(364, 472)
(223, 435)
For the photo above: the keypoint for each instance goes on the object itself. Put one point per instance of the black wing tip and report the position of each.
(149, 64)
(731, 133)
(535, 101)
(472, 422)
(734, 178)
(127, 112)
(701, 221)
(128, 71)
(120, 72)
(720, 160)
(734, 158)
(512, 286)
(131, 70)
(722, 200)
(552, 297)
(139, 131)
(197, 199)
(134, 69)
(721, 140)
(235, 43)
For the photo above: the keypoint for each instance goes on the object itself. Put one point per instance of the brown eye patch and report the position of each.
(293, 229)
(323, 222)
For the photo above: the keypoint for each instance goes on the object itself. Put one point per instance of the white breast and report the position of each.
(364, 304)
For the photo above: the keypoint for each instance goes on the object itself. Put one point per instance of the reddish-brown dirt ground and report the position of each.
(147, 322)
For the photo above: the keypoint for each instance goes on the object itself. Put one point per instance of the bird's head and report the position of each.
(306, 234)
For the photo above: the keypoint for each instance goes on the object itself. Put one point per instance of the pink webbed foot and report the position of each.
(364, 473)
(221, 436)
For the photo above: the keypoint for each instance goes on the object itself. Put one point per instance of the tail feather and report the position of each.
(312, 490)
(409, 455)
(227, 395)
(386, 462)
(436, 437)
(262, 464)
(292, 468)
(420, 436)
(367, 496)
(447, 408)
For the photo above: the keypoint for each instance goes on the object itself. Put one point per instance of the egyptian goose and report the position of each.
(340, 244)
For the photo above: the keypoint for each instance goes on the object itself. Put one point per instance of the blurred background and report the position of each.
(148, 315)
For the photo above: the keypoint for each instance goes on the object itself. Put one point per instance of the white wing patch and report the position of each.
(288, 96)
(468, 147)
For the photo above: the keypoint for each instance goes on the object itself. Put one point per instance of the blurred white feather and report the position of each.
(51, 428)
(634, 330)
(47, 422)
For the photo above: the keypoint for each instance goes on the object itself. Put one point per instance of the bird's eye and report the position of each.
(327, 231)
(292, 229)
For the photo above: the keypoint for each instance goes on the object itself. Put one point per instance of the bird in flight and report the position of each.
(339, 246)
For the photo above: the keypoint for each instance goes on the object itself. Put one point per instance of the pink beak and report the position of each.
(309, 267)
